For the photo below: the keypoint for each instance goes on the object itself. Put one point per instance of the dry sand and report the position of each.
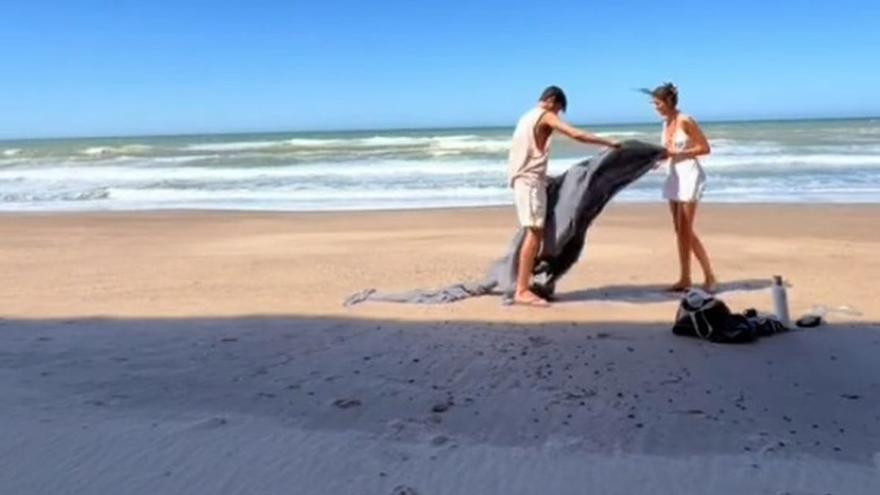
(209, 353)
(231, 264)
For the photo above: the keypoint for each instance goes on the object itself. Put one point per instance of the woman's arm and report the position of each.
(700, 146)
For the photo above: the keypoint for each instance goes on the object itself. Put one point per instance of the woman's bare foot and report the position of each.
(529, 298)
(711, 284)
(680, 286)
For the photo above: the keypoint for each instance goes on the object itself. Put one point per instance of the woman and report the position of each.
(685, 142)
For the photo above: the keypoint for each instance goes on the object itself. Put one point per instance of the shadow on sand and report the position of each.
(649, 294)
(181, 404)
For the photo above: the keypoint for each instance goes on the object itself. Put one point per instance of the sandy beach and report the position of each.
(209, 352)
(184, 264)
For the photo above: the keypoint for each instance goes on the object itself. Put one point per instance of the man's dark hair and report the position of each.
(556, 94)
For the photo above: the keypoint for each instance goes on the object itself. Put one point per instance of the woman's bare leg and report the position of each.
(682, 237)
(689, 211)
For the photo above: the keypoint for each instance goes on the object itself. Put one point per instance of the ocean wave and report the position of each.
(414, 141)
(431, 144)
(751, 147)
(384, 197)
(872, 148)
(621, 134)
(25, 197)
(330, 199)
(317, 169)
(733, 147)
(4, 162)
(400, 141)
(327, 199)
(113, 151)
(188, 168)
(235, 146)
(469, 145)
(181, 159)
(407, 169)
(814, 160)
(317, 194)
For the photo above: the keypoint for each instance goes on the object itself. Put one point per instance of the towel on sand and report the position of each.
(574, 200)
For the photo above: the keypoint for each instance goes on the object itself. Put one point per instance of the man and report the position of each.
(527, 173)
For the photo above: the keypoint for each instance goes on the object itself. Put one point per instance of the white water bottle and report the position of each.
(780, 301)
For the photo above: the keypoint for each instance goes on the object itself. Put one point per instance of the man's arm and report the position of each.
(555, 123)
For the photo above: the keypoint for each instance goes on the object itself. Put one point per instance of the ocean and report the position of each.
(831, 161)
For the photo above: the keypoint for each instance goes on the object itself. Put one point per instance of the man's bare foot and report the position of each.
(680, 286)
(529, 298)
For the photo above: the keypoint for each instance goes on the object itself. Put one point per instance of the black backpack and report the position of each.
(702, 315)
(765, 325)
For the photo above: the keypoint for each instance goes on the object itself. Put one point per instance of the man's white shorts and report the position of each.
(530, 199)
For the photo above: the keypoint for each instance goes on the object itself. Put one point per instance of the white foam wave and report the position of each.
(311, 195)
(403, 169)
(127, 170)
(87, 195)
(103, 151)
(469, 145)
(391, 141)
(313, 142)
(121, 198)
(406, 141)
(827, 160)
(328, 170)
(235, 146)
(730, 147)
(354, 198)
(182, 159)
(176, 168)
(620, 134)
(439, 144)
(128, 199)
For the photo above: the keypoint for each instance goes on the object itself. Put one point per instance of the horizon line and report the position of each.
(421, 128)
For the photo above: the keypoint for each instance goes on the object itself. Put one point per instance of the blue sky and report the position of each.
(77, 68)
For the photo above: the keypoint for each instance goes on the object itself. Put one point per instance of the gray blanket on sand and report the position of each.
(574, 200)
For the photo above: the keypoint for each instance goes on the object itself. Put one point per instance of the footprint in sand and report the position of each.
(404, 490)
(539, 341)
(210, 423)
(441, 407)
(346, 403)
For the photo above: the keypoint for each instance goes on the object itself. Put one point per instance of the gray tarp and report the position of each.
(574, 200)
